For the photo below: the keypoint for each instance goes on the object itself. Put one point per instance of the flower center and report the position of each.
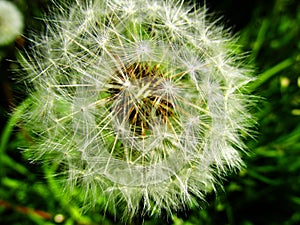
(137, 92)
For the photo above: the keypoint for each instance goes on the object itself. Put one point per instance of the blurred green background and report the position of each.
(267, 192)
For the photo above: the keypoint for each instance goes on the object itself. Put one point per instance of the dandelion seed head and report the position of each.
(140, 100)
(11, 22)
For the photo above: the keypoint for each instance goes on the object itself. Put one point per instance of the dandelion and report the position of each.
(11, 22)
(143, 101)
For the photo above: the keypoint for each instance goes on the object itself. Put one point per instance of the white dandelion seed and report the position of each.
(11, 22)
(143, 104)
